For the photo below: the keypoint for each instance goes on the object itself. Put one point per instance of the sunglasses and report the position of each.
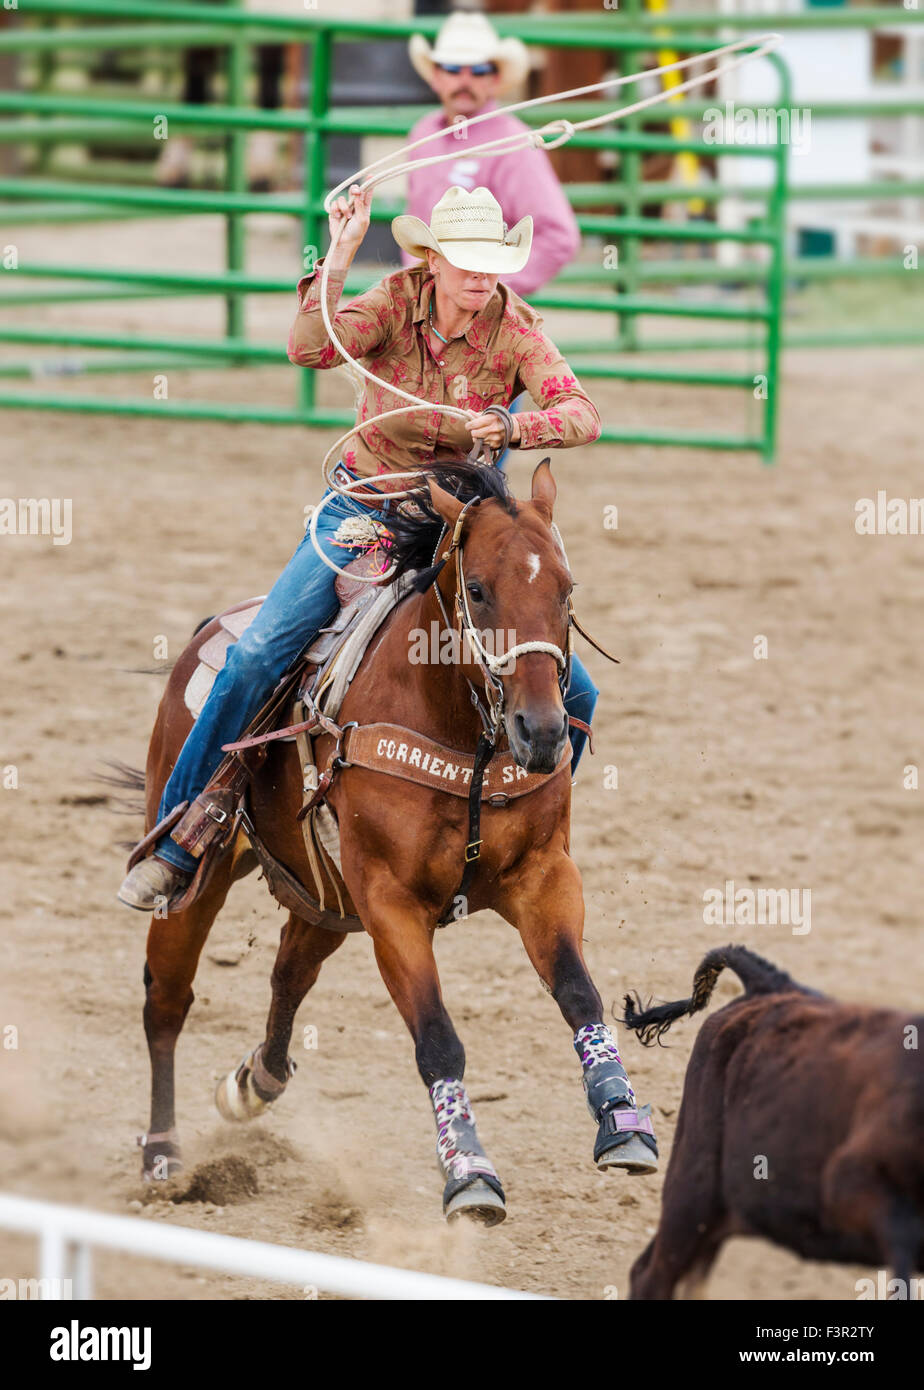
(476, 69)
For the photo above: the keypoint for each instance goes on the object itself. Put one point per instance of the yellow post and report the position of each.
(687, 162)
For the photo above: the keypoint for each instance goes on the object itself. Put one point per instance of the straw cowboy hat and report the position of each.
(468, 228)
(468, 38)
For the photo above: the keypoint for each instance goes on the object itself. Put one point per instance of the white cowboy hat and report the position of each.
(468, 38)
(468, 228)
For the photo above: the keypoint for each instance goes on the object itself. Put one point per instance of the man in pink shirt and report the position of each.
(468, 68)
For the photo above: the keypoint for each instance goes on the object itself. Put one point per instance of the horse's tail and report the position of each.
(163, 668)
(757, 975)
(132, 779)
(129, 779)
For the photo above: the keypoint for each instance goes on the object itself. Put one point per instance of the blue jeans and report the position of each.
(300, 602)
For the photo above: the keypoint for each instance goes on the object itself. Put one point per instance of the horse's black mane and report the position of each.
(414, 538)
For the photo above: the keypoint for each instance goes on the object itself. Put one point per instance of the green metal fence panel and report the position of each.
(236, 31)
(579, 28)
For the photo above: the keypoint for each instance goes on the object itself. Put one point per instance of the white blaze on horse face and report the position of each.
(532, 565)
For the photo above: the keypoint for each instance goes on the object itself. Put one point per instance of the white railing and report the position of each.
(66, 1235)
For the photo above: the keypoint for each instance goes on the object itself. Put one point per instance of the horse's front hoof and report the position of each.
(473, 1190)
(248, 1090)
(477, 1202)
(626, 1140)
(161, 1159)
(633, 1156)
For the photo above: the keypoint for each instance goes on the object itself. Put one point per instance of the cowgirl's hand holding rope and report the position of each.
(351, 217)
(489, 427)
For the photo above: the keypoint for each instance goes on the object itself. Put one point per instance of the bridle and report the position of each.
(492, 667)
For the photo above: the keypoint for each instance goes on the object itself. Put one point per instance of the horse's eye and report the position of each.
(475, 593)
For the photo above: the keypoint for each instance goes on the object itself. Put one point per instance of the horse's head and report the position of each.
(511, 586)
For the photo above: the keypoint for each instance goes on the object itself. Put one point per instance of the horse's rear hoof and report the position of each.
(235, 1102)
(477, 1202)
(161, 1159)
(249, 1090)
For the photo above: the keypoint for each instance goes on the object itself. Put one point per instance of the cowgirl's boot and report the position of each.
(201, 830)
(152, 883)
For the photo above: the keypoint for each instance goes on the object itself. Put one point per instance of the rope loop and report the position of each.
(565, 131)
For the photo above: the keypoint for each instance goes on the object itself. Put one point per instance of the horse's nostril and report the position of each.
(538, 731)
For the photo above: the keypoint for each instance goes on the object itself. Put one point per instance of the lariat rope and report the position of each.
(547, 137)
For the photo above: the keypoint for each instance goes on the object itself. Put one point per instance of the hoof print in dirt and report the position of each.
(332, 1214)
(222, 1181)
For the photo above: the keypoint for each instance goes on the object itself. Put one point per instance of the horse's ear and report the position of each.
(544, 489)
(447, 506)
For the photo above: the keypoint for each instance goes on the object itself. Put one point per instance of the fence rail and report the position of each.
(236, 30)
(579, 28)
(51, 118)
(68, 1234)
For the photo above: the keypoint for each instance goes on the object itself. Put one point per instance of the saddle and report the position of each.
(209, 826)
(355, 598)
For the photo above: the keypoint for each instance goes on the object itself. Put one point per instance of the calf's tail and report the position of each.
(756, 974)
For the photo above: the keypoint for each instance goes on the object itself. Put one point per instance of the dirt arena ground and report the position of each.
(785, 772)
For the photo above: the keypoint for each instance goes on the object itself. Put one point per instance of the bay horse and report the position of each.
(402, 843)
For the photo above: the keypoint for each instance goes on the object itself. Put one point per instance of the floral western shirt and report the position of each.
(502, 353)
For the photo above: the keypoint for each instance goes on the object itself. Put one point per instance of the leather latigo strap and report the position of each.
(400, 752)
